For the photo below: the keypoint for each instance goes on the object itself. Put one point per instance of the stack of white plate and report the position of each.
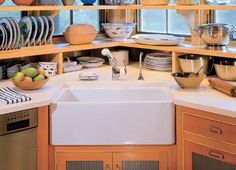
(158, 61)
(90, 62)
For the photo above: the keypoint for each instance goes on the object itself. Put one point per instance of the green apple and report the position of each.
(19, 76)
(39, 78)
(30, 72)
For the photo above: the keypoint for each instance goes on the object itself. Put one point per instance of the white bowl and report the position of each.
(50, 68)
(119, 31)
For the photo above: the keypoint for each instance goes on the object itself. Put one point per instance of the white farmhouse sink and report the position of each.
(113, 116)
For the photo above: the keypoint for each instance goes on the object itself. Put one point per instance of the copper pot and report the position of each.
(2, 1)
(23, 2)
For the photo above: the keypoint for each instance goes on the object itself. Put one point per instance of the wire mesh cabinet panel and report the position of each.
(140, 161)
(84, 161)
(199, 157)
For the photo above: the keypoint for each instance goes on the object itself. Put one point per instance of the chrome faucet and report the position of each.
(116, 71)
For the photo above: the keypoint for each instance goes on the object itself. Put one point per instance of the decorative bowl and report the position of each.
(184, 81)
(30, 85)
(118, 31)
(119, 2)
(23, 2)
(88, 2)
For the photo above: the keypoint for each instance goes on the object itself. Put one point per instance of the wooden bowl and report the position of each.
(184, 82)
(30, 85)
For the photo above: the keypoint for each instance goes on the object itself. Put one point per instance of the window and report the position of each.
(166, 21)
(65, 18)
(227, 17)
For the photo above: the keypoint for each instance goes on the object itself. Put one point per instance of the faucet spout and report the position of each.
(115, 70)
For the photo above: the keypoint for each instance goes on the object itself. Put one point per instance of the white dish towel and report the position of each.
(10, 96)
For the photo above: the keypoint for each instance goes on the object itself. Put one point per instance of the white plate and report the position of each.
(90, 59)
(14, 34)
(3, 37)
(46, 30)
(9, 32)
(157, 68)
(73, 68)
(91, 65)
(26, 29)
(158, 39)
(51, 29)
(40, 21)
(34, 30)
(17, 32)
(88, 76)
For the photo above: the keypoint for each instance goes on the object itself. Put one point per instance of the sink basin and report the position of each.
(113, 116)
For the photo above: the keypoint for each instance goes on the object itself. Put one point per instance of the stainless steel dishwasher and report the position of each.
(18, 144)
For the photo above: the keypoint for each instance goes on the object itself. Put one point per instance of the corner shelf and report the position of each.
(107, 7)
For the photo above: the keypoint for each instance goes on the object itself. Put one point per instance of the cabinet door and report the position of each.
(198, 157)
(84, 161)
(140, 161)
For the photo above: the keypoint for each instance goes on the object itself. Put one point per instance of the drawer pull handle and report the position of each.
(107, 167)
(215, 130)
(216, 155)
(117, 167)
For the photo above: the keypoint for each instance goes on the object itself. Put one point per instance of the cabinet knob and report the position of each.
(108, 167)
(216, 155)
(117, 167)
(215, 130)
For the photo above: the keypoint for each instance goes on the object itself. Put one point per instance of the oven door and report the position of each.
(18, 150)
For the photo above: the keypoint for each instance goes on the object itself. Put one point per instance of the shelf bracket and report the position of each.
(193, 19)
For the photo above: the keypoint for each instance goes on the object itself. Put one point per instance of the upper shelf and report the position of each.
(106, 7)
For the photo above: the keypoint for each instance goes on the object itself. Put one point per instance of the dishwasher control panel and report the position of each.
(16, 121)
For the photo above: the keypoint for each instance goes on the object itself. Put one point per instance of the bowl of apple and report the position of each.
(30, 79)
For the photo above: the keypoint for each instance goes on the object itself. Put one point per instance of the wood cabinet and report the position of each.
(113, 158)
(205, 141)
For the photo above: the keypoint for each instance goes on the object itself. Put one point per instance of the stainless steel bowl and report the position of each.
(119, 2)
(216, 35)
(226, 69)
(190, 63)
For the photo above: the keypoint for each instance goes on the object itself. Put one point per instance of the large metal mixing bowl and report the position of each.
(190, 63)
(216, 36)
(226, 69)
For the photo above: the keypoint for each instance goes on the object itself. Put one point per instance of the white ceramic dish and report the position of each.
(158, 39)
(73, 68)
(9, 32)
(91, 65)
(119, 31)
(88, 76)
(40, 22)
(46, 31)
(26, 29)
(50, 68)
(89, 59)
(2, 37)
(51, 29)
(17, 42)
(34, 30)
(14, 33)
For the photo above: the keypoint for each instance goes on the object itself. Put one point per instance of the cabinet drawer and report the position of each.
(208, 128)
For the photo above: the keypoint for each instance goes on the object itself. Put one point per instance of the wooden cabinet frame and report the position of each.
(198, 142)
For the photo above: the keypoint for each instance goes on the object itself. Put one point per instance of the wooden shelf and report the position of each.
(65, 47)
(106, 7)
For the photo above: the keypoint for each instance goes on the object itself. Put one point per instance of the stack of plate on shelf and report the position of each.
(158, 61)
(36, 30)
(158, 39)
(90, 62)
(9, 34)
